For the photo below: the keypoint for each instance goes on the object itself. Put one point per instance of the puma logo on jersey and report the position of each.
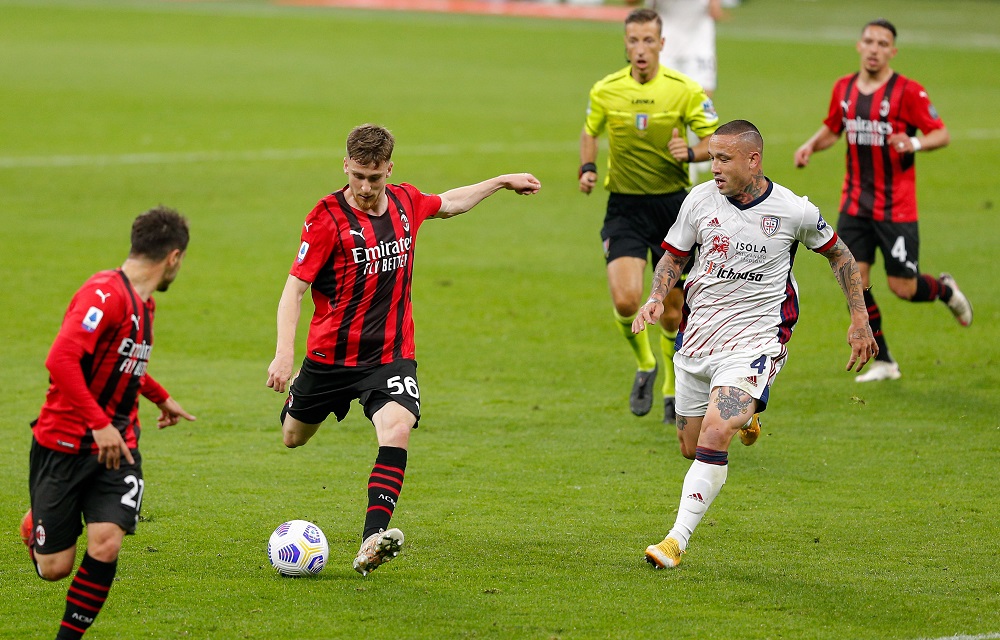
(135, 320)
(104, 296)
(360, 234)
(307, 225)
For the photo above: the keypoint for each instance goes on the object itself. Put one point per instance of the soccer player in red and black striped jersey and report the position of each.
(356, 254)
(84, 455)
(881, 112)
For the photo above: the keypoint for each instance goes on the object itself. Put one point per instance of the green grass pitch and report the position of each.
(866, 512)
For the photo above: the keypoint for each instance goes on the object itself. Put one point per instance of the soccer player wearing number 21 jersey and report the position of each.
(356, 254)
(741, 306)
(85, 460)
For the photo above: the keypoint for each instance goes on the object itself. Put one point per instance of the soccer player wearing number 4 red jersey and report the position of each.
(881, 112)
(84, 455)
(356, 254)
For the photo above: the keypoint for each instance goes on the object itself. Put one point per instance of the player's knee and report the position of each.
(626, 306)
(105, 551)
(904, 289)
(396, 434)
(670, 320)
(53, 570)
(292, 439)
(688, 452)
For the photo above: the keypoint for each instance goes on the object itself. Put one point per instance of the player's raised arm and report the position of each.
(462, 199)
(859, 335)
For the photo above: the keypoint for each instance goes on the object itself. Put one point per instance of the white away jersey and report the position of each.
(740, 293)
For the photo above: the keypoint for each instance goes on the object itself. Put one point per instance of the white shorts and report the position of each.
(749, 371)
(699, 66)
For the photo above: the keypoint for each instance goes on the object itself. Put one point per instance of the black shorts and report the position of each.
(899, 243)
(321, 389)
(635, 225)
(65, 486)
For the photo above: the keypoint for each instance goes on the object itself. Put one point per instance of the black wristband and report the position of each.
(690, 154)
(587, 166)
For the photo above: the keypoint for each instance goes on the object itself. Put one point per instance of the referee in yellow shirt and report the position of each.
(646, 110)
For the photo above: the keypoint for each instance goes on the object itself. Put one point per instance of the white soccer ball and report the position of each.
(298, 548)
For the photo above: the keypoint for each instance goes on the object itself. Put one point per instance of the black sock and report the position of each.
(384, 485)
(86, 596)
(875, 321)
(930, 289)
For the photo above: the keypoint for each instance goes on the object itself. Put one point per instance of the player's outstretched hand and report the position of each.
(523, 183)
(802, 156)
(111, 447)
(171, 413)
(649, 314)
(863, 345)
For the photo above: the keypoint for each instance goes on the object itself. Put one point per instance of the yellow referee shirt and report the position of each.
(640, 119)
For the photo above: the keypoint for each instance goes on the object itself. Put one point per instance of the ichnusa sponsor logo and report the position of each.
(720, 271)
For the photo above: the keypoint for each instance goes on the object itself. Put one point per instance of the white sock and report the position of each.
(701, 485)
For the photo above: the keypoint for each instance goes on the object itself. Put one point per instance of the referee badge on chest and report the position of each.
(642, 121)
(769, 225)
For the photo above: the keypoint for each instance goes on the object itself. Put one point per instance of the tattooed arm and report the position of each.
(859, 335)
(665, 276)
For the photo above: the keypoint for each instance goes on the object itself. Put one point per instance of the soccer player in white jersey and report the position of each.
(742, 303)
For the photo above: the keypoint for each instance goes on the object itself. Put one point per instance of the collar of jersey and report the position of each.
(743, 207)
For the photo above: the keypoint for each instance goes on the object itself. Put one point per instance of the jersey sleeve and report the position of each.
(425, 205)
(917, 109)
(98, 306)
(683, 234)
(834, 120)
(700, 115)
(152, 390)
(597, 117)
(319, 235)
(814, 232)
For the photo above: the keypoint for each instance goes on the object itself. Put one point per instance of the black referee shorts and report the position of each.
(636, 225)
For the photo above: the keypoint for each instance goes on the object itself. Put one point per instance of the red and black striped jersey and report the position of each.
(97, 366)
(880, 182)
(360, 267)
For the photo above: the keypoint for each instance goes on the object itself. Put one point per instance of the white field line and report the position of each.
(920, 38)
(983, 636)
(279, 155)
(266, 155)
